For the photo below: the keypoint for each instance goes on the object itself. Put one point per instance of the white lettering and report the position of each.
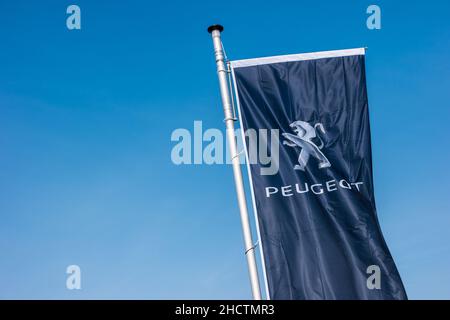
(317, 189)
(344, 184)
(357, 184)
(286, 191)
(268, 192)
(331, 185)
(320, 188)
(297, 187)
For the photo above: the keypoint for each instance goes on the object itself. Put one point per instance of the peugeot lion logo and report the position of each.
(305, 133)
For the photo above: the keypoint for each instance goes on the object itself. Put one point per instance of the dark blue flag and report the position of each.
(316, 213)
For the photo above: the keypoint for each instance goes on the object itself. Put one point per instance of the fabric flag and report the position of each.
(316, 214)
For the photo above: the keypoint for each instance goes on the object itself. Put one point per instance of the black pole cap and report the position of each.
(215, 27)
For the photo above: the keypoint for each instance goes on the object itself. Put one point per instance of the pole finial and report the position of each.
(215, 27)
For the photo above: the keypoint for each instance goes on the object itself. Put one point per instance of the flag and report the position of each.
(316, 215)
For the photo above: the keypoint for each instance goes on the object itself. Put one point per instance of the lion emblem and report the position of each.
(305, 133)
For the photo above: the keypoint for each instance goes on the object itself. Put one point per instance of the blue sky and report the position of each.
(86, 118)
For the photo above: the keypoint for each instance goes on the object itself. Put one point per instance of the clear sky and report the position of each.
(86, 118)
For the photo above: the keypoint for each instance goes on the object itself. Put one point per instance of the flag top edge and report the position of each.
(297, 57)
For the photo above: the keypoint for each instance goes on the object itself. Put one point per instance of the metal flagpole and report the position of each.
(222, 73)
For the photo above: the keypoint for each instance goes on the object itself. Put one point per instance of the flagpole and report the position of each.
(222, 74)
